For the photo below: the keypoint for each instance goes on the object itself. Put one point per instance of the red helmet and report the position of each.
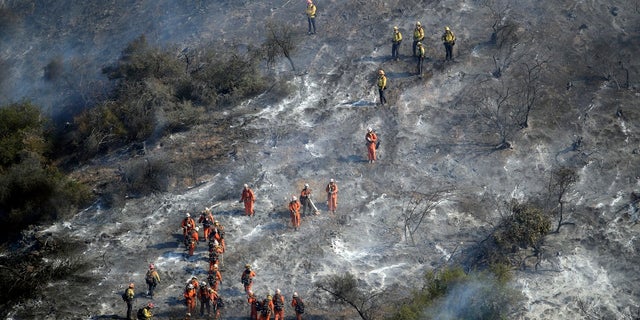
(151, 305)
(151, 266)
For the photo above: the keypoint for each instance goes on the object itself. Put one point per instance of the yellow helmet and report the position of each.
(395, 28)
(418, 23)
(447, 29)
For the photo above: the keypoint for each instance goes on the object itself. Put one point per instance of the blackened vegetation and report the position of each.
(280, 42)
(39, 260)
(344, 288)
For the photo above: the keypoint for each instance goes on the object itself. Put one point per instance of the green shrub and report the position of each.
(524, 228)
(21, 131)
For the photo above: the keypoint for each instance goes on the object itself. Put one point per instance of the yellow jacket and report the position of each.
(147, 313)
(397, 36)
(418, 33)
(448, 37)
(311, 10)
(382, 82)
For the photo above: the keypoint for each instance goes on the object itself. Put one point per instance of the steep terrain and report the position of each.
(436, 138)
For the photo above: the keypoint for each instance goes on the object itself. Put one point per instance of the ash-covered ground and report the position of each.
(435, 138)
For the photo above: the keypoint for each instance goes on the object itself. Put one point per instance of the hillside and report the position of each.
(444, 137)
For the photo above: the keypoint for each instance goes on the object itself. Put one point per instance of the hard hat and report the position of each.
(248, 266)
(151, 305)
(190, 286)
(293, 198)
(215, 242)
(278, 291)
(269, 297)
(369, 129)
(215, 266)
(306, 185)
(246, 185)
(216, 222)
(380, 71)
(194, 278)
(188, 314)
(197, 228)
(188, 214)
(250, 292)
(395, 28)
(202, 283)
(418, 23)
(331, 180)
(447, 29)
(211, 290)
(295, 294)
(151, 266)
(309, 2)
(131, 285)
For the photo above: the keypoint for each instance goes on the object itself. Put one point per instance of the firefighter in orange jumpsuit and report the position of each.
(215, 278)
(253, 302)
(294, 212)
(190, 298)
(215, 253)
(332, 195)
(371, 139)
(213, 294)
(267, 308)
(205, 299)
(248, 197)
(193, 241)
(297, 305)
(218, 234)
(206, 218)
(247, 278)
(278, 305)
(187, 224)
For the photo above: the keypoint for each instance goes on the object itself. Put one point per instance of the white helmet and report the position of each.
(369, 129)
(246, 185)
(331, 180)
(188, 214)
(293, 198)
(306, 185)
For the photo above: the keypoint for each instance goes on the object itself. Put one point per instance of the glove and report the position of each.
(240, 201)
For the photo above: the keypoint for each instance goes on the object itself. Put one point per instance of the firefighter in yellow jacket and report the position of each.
(311, 16)
(396, 40)
(418, 36)
(449, 40)
(382, 86)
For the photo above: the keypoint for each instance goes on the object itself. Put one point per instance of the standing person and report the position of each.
(449, 40)
(128, 296)
(311, 16)
(254, 303)
(205, 299)
(187, 224)
(420, 58)
(216, 302)
(382, 86)
(395, 43)
(248, 197)
(190, 298)
(267, 308)
(418, 36)
(278, 305)
(297, 305)
(332, 195)
(206, 218)
(247, 278)
(192, 241)
(294, 212)
(371, 138)
(152, 278)
(217, 234)
(305, 200)
(214, 278)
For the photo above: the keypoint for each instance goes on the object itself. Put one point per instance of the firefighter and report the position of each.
(418, 36)
(247, 278)
(267, 308)
(278, 305)
(217, 234)
(305, 200)
(215, 253)
(187, 224)
(152, 278)
(332, 195)
(382, 86)
(371, 139)
(294, 212)
(205, 299)
(449, 40)
(128, 296)
(206, 218)
(248, 197)
(297, 305)
(395, 43)
(215, 278)
(192, 241)
(146, 312)
(254, 303)
(190, 298)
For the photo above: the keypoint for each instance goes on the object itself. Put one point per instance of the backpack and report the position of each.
(299, 305)
(124, 296)
(258, 305)
(140, 314)
(149, 278)
(277, 304)
(265, 308)
(245, 278)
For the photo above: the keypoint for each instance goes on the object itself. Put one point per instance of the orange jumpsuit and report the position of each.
(214, 302)
(248, 197)
(294, 212)
(194, 241)
(190, 300)
(187, 224)
(332, 196)
(267, 310)
(294, 303)
(214, 256)
(254, 311)
(279, 314)
(217, 232)
(371, 139)
(205, 300)
(214, 278)
(207, 224)
(247, 279)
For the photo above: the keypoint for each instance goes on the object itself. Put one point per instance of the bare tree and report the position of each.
(280, 41)
(416, 209)
(495, 105)
(562, 179)
(529, 91)
(345, 289)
